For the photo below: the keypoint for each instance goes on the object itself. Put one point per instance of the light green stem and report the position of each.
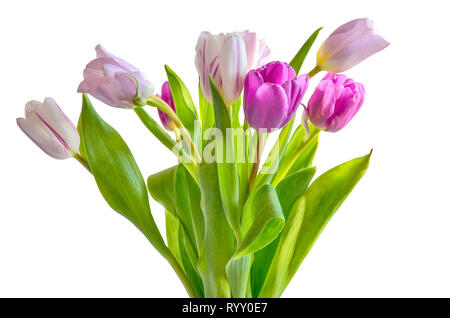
(314, 71)
(163, 137)
(81, 160)
(159, 103)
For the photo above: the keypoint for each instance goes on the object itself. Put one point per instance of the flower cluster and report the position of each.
(231, 228)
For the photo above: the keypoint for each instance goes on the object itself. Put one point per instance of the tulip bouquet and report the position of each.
(236, 225)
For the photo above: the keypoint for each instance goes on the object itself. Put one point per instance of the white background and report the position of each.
(390, 238)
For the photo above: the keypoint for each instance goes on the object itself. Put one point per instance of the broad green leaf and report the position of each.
(238, 272)
(184, 105)
(288, 190)
(206, 111)
(299, 58)
(226, 165)
(183, 213)
(172, 231)
(262, 220)
(188, 210)
(308, 218)
(117, 174)
(306, 157)
(188, 265)
(292, 187)
(298, 140)
(219, 243)
(161, 186)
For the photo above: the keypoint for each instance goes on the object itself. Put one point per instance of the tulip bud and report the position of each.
(114, 81)
(49, 128)
(272, 95)
(334, 102)
(228, 58)
(348, 45)
(166, 95)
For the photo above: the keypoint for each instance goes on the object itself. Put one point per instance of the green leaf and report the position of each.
(172, 232)
(206, 111)
(188, 210)
(188, 265)
(226, 165)
(288, 190)
(262, 220)
(299, 58)
(161, 186)
(184, 105)
(298, 140)
(306, 157)
(117, 174)
(292, 187)
(219, 243)
(308, 218)
(238, 273)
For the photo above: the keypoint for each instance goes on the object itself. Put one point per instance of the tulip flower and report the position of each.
(50, 129)
(114, 81)
(166, 95)
(348, 45)
(334, 102)
(272, 95)
(228, 58)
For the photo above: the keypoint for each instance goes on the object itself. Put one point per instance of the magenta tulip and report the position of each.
(348, 45)
(166, 95)
(114, 81)
(272, 95)
(334, 102)
(50, 129)
(228, 58)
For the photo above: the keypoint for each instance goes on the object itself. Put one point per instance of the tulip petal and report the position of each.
(356, 51)
(52, 114)
(32, 127)
(233, 66)
(253, 81)
(267, 108)
(295, 90)
(321, 103)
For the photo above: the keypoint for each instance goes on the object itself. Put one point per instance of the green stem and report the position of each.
(314, 71)
(81, 160)
(282, 173)
(255, 166)
(161, 134)
(159, 103)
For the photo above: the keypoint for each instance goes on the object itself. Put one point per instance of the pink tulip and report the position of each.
(228, 58)
(166, 95)
(272, 95)
(114, 81)
(348, 45)
(334, 102)
(49, 128)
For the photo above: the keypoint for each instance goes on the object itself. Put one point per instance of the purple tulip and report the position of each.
(348, 45)
(114, 81)
(334, 102)
(50, 129)
(272, 95)
(166, 95)
(228, 58)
